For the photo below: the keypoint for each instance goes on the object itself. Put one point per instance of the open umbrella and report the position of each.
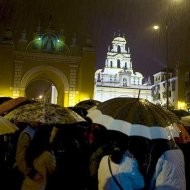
(6, 127)
(11, 104)
(4, 99)
(44, 113)
(87, 104)
(81, 111)
(184, 136)
(135, 117)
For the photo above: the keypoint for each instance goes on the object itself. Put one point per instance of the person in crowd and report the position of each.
(120, 169)
(139, 147)
(23, 142)
(167, 167)
(71, 167)
(4, 160)
(40, 161)
(98, 147)
(94, 162)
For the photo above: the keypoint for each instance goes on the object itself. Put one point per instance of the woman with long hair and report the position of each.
(40, 161)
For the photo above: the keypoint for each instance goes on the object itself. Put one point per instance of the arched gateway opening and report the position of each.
(42, 90)
(45, 83)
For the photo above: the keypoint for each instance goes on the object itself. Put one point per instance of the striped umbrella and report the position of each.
(136, 117)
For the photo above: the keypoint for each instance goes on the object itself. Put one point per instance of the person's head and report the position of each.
(139, 147)
(38, 144)
(96, 135)
(119, 142)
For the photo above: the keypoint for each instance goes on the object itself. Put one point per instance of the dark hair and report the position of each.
(117, 155)
(120, 144)
(139, 147)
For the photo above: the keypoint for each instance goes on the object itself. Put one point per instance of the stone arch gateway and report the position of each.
(69, 68)
(56, 76)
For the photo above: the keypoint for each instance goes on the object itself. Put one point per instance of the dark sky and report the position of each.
(101, 18)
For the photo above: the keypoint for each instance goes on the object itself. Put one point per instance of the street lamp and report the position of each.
(156, 27)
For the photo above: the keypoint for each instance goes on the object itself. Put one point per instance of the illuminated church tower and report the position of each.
(118, 73)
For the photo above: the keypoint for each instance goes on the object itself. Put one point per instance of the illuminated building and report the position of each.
(178, 88)
(67, 68)
(117, 78)
(159, 89)
(183, 74)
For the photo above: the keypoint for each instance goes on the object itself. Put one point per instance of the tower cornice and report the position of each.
(46, 57)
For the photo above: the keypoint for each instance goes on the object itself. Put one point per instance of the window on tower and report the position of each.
(118, 63)
(111, 64)
(124, 82)
(118, 49)
(125, 64)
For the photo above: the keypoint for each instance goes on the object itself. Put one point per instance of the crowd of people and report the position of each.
(88, 158)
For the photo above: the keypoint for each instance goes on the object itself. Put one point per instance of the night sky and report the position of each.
(101, 18)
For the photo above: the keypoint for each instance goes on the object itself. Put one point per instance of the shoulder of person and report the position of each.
(104, 158)
(48, 153)
(29, 132)
(129, 155)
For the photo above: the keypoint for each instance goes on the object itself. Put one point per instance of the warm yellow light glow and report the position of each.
(40, 97)
(181, 105)
(6, 92)
(178, 1)
(156, 27)
(83, 97)
(143, 101)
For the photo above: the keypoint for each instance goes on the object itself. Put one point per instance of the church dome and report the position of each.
(138, 74)
(119, 39)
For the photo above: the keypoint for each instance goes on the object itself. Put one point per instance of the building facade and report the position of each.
(178, 88)
(159, 89)
(183, 74)
(48, 58)
(117, 78)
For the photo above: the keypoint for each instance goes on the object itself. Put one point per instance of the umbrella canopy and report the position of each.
(4, 99)
(87, 104)
(6, 127)
(44, 113)
(184, 136)
(11, 104)
(81, 111)
(135, 117)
